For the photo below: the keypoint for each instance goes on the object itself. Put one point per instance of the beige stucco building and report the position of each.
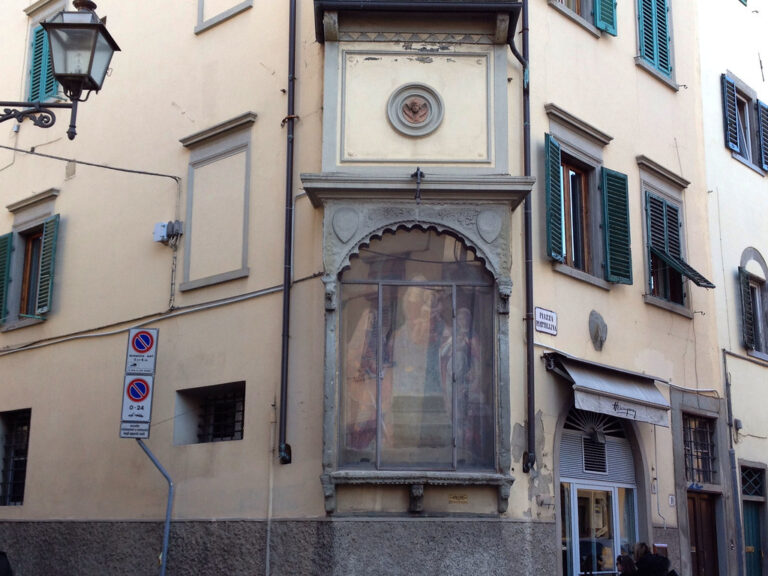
(437, 298)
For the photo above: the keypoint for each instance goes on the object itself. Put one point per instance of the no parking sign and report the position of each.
(139, 383)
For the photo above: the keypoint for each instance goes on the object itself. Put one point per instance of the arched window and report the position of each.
(417, 356)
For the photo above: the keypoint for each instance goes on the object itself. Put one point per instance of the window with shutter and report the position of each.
(30, 298)
(655, 41)
(577, 212)
(667, 266)
(745, 122)
(42, 83)
(605, 16)
(754, 323)
(6, 247)
(618, 251)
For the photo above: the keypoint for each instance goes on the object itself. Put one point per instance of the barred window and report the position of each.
(210, 414)
(752, 482)
(700, 450)
(15, 430)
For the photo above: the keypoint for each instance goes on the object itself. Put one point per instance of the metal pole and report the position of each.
(167, 528)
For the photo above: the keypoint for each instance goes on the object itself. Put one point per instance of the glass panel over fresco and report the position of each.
(417, 356)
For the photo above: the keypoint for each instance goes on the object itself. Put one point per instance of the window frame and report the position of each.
(667, 188)
(384, 362)
(707, 454)
(207, 147)
(574, 142)
(596, 16)
(31, 216)
(753, 289)
(195, 422)
(204, 24)
(9, 422)
(745, 123)
(650, 56)
(38, 13)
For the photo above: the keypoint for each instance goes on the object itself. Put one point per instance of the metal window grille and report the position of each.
(16, 442)
(700, 450)
(221, 416)
(752, 482)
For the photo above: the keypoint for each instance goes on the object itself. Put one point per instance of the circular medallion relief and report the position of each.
(415, 110)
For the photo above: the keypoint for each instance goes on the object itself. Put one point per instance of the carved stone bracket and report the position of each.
(504, 490)
(331, 290)
(417, 498)
(505, 291)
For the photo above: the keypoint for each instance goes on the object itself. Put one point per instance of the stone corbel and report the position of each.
(416, 498)
(505, 291)
(329, 491)
(331, 291)
(504, 490)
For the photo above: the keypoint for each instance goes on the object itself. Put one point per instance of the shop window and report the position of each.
(417, 330)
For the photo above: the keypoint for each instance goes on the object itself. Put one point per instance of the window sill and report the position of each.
(667, 80)
(748, 163)
(211, 280)
(226, 15)
(667, 305)
(758, 355)
(581, 275)
(571, 15)
(21, 323)
(416, 480)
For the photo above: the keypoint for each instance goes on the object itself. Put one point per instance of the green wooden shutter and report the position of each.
(645, 10)
(47, 265)
(6, 248)
(554, 192)
(42, 83)
(747, 311)
(730, 113)
(618, 249)
(605, 16)
(664, 223)
(663, 39)
(655, 39)
(762, 132)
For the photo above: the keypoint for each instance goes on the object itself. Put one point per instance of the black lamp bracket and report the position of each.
(40, 113)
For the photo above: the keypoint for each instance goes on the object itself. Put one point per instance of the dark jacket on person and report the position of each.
(652, 565)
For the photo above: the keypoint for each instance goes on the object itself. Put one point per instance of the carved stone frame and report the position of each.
(483, 226)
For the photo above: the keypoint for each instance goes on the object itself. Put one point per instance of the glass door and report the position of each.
(599, 524)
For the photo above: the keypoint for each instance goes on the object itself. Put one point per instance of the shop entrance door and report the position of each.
(702, 534)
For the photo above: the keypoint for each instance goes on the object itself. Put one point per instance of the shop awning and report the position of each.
(612, 391)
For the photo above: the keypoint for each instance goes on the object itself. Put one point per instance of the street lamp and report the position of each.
(81, 50)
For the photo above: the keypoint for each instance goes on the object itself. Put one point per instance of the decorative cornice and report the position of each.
(235, 123)
(659, 171)
(572, 122)
(416, 38)
(37, 6)
(331, 186)
(33, 200)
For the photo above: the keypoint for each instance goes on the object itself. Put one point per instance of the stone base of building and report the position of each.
(334, 547)
(671, 538)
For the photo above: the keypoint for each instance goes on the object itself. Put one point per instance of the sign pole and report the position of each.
(167, 528)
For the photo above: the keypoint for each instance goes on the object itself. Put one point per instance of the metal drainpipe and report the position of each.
(284, 449)
(737, 519)
(529, 458)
